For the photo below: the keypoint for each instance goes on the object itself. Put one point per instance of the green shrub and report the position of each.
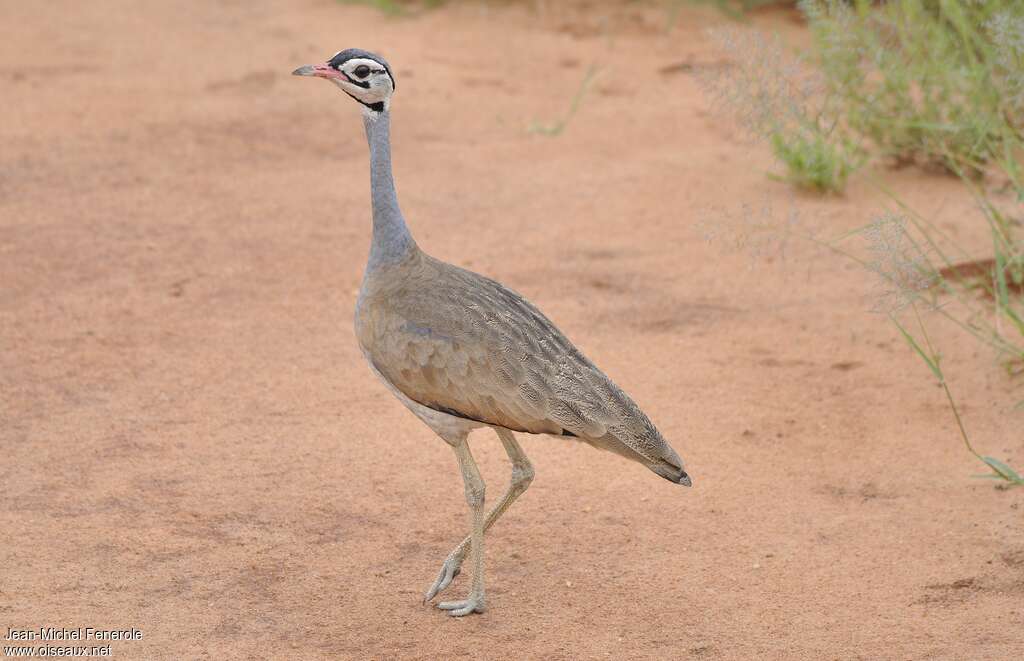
(813, 161)
(930, 82)
(776, 97)
(940, 83)
(934, 82)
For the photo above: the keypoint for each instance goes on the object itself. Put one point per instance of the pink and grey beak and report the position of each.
(320, 71)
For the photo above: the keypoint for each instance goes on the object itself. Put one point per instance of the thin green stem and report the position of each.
(945, 386)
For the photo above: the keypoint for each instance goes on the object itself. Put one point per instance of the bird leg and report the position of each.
(522, 475)
(475, 498)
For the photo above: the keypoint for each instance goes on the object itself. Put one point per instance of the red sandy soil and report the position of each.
(193, 446)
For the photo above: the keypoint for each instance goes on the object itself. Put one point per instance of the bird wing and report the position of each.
(460, 343)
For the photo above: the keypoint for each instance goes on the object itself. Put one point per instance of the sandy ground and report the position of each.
(193, 446)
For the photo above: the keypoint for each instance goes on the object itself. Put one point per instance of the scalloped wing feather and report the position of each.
(460, 343)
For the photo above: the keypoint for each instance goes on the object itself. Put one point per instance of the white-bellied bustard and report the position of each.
(462, 351)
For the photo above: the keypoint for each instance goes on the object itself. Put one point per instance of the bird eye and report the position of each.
(362, 71)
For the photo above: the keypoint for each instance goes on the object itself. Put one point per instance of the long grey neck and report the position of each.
(392, 241)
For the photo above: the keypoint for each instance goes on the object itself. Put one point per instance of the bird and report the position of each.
(462, 351)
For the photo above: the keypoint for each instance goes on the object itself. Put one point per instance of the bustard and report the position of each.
(461, 351)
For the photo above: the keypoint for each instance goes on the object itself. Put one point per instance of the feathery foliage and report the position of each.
(934, 82)
(779, 98)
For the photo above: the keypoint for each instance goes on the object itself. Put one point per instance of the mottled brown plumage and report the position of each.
(463, 344)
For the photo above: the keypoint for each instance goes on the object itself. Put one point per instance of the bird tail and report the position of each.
(661, 459)
(670, 467)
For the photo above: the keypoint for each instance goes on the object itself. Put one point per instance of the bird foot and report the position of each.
(474, 604)
(449, 570)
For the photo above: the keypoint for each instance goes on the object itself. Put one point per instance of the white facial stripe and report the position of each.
(355, 62)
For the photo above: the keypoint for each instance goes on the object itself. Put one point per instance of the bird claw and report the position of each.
(449, 570)
(464, 607)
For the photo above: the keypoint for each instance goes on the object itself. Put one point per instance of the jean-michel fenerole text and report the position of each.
(78, 633)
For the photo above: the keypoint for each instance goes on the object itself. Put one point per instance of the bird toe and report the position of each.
(449, 570)
(462, 607)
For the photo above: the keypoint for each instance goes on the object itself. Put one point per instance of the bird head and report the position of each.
(360, 74)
